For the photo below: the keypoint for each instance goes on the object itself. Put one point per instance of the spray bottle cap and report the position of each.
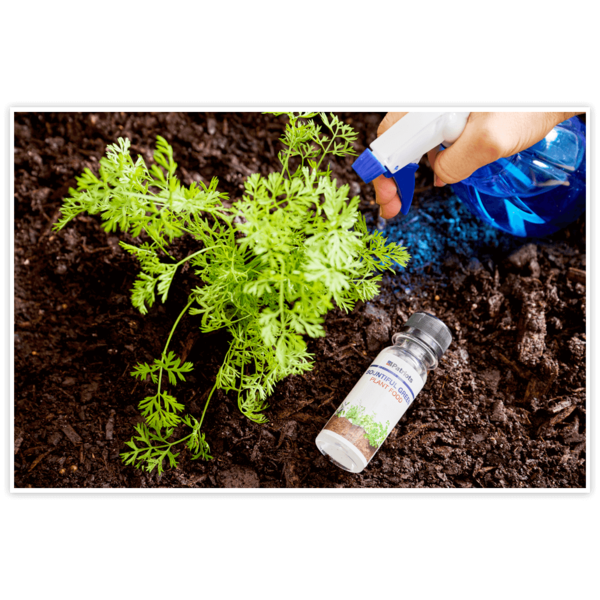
(430, 330)
(398, 151)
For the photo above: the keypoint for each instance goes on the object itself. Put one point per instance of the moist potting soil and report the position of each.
(505, 409)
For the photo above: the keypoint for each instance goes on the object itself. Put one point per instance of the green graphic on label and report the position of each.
(376, 403)
(375, 433)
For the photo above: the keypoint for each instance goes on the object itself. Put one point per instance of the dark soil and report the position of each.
(506, 408)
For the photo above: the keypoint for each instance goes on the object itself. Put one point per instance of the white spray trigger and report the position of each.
(414, 135)
(397, 152)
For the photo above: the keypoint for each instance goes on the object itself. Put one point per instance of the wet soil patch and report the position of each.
(506, 408)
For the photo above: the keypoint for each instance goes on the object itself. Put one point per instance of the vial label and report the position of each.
(376, 403)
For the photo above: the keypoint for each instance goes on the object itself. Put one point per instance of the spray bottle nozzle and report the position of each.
(368, 168)
(398, 151)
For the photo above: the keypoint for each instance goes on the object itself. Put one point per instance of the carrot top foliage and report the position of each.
(269, 267)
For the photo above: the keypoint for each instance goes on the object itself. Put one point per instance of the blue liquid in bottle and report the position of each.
(535, 192)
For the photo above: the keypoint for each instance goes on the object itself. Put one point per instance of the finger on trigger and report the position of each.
(385, 190)
(387, 211)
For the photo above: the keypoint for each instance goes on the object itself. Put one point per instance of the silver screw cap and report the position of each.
(430, 329)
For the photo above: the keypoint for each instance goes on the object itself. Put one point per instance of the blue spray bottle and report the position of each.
(533, 193)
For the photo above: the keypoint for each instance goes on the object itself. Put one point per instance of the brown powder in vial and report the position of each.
(353, 433)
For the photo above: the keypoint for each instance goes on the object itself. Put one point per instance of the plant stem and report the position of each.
(206, 405)
(164, 352)
(192, 256)
(289, 152)
(159, 245)
(282, 297)
(190, 302)
(170, 444)
(333, 135)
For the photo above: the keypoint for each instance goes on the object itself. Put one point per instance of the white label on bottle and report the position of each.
(376, 403)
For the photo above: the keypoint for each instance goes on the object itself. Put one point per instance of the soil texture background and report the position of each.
(505, 408)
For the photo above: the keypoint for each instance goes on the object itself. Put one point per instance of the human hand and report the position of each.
(487, 137)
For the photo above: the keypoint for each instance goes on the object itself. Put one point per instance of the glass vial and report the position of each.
(382, 395)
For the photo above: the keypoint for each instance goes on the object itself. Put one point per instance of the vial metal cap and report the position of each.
(431, 330)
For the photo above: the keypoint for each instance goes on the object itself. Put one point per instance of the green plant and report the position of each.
(375, 432)
(270, 266)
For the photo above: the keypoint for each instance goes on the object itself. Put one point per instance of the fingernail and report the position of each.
(438, 182)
